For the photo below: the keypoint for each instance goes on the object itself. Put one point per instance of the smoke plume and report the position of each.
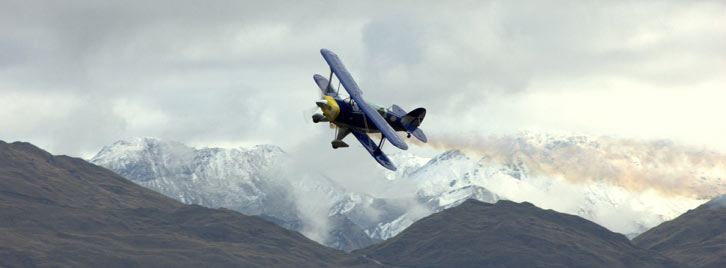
(634, 165)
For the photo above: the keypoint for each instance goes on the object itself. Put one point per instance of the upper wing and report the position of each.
(324, 86)
(352, 87)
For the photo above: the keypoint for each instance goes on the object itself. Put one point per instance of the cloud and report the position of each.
(315, 178)
(78, 75)
(237, 71)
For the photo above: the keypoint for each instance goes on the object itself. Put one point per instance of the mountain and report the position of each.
(625, 186)
(247, 180)
(509, 234)
(696, 238)
(552, 172)
(59, 211)
(189, 175)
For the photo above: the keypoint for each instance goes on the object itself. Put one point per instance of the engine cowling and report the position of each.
(329, 107)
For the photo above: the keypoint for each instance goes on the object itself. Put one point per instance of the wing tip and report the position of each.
(403, 146)
(383, 160)
(391, 167)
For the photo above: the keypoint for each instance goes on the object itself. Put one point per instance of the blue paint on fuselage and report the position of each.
(351, 116)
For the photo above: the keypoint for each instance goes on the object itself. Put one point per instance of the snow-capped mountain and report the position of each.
(537, 169)
(526, 167)
(253, 181)
(211, 177)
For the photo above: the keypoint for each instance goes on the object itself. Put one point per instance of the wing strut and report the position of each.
(330, 79)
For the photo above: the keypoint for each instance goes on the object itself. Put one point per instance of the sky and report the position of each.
(78, 75)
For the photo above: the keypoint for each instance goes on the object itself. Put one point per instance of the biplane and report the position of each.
(354, 115)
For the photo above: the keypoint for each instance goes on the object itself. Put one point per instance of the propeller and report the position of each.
(307, 113)
(326, 89)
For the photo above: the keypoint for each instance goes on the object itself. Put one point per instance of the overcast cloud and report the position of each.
(78, 75)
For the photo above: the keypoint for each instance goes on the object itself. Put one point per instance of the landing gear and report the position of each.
(338, 144)
(340, 134)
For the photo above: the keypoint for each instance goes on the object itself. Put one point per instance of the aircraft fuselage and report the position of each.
(351, 116)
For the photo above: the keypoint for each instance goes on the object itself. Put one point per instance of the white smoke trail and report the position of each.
(634, 165)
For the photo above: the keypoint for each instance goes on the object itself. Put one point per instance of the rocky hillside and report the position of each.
(696, 238)
(59, 211)
(508, 234)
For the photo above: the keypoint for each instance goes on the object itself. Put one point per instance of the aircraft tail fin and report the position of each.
(412, 121)
(415, 117)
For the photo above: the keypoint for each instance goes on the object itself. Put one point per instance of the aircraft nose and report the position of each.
(322, 104)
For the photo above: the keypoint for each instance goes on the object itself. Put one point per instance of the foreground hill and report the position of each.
(59, 211)
(508, 234)
(697, 238)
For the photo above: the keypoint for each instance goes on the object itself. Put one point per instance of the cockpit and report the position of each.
(381, 110)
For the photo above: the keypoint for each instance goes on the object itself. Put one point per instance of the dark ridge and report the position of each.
(60, 211)
(696, 238)
(508, 234)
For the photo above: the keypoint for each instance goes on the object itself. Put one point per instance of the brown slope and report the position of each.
(508, 234)
(696, 238)
(58, 211)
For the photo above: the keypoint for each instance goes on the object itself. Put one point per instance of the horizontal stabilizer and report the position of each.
(397, 111)
(418, 133)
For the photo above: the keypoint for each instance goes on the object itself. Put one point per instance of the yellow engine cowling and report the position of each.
(329, 107)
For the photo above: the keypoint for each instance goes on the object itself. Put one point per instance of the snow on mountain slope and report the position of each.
(519, 169)
(252, 181)
(620, 209)
(212, 177)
